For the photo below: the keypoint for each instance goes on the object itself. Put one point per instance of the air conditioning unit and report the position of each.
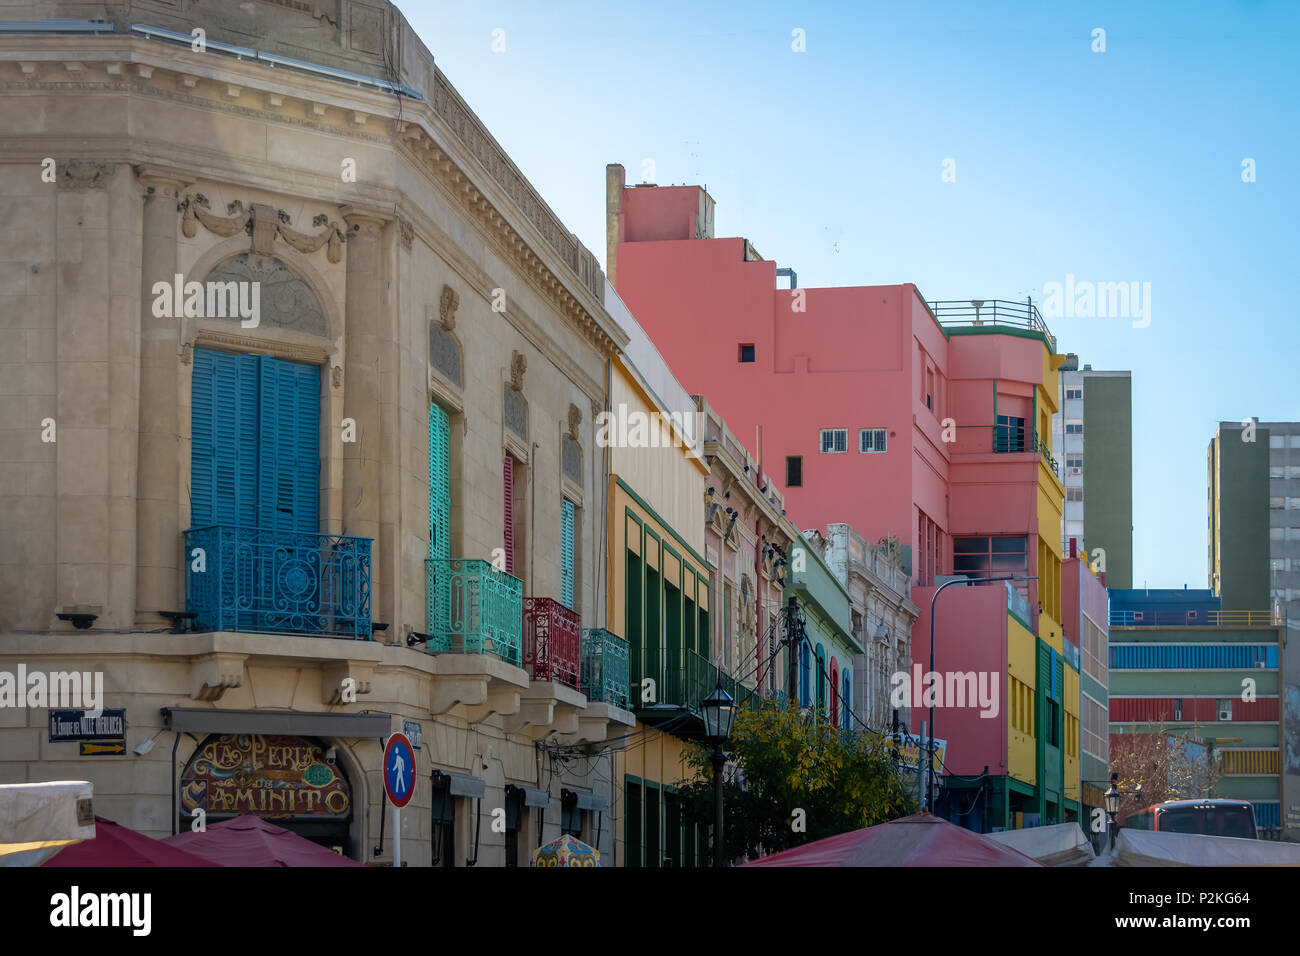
(1225, 715)
(1076, 471)
(1260, 665)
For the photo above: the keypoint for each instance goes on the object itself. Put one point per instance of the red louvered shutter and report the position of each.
(508, 469)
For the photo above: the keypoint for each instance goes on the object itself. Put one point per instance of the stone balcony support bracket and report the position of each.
(344, 681)
(213, 674)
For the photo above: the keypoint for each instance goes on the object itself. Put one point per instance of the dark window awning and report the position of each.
(532, 796)
(460, 784)
(586, 801)
(293, 723)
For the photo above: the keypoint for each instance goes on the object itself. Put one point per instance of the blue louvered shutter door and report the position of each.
(203, 402)
(566, 554)
(223, 459)
(289, 447)
(439, 483)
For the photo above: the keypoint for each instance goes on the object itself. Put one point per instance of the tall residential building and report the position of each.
(1284, 515)
(1241, 529)
(1094, 436)
(943, 410)
(1183, 665)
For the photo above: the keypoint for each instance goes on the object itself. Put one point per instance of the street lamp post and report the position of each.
(929, 753)
(719, 712)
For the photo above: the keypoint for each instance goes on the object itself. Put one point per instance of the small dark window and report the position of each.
(747, 353)
(794, 471)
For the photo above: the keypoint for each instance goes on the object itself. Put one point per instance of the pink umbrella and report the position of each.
(918, 840)
(251, 841)
(116, 845)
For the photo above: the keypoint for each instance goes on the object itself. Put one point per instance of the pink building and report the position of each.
(927, 421)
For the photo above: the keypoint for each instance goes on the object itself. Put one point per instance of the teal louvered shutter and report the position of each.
(566, 554)
(289, 446)
(439, 483)
(224, 439)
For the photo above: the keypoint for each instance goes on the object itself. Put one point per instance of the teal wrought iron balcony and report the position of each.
(253, 579)
(605, 667)
(474, 609)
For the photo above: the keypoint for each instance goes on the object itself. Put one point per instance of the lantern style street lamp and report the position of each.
(719, 712)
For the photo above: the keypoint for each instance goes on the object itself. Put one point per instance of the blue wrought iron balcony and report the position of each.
(294, 582)
(605, 667)
(474, 609)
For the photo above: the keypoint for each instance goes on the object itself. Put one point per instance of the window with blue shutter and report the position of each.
(846, 700)
(566, 554)
(805, 688)
(289, 460)
(820, 677)
(255, 442)
(223, 459)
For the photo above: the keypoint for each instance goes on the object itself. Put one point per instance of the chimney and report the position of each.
(615, 180)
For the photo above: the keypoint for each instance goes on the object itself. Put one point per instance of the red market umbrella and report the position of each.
(251, 841)
(116, 845)
(918, 840)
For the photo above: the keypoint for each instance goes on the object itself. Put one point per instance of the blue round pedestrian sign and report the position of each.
(399, 770)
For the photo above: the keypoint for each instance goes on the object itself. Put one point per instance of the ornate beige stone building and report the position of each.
(366, 434)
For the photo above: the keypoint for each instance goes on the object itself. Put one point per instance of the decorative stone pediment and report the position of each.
(263, 224)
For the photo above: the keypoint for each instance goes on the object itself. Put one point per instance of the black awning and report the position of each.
(292, 723)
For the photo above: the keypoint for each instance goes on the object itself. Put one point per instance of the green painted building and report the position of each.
(1238, 516)
(1108, 471)
(822, 673)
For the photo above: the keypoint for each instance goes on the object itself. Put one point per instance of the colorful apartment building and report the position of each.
(942, 409)
(1181, 664)
(1086, 623)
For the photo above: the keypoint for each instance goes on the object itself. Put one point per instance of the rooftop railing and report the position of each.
(1184, 618)
(992, 312)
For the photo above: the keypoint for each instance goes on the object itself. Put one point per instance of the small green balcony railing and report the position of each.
(682, 678)
(474, 609)
(605, 667)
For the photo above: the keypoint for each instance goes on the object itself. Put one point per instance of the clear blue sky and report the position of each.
(1117, 166)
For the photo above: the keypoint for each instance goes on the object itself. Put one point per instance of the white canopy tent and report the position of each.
(1062, 844)
(39, 819)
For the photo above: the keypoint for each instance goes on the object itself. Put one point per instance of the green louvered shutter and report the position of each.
(439, 483)
(566, 554)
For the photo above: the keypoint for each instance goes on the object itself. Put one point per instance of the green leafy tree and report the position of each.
(784, 763)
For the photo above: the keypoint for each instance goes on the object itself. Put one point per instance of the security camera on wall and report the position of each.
(332, 756)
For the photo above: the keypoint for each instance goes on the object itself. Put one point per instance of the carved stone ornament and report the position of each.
(336, 376)
(575, 420)
(263, 224)
(405, 232)
(187, 353)
(448, 303)
(83, 174)
(518, 365)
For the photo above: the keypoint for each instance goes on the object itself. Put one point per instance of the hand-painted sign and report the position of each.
(79, 725)
(399, 770)
(272, 776)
